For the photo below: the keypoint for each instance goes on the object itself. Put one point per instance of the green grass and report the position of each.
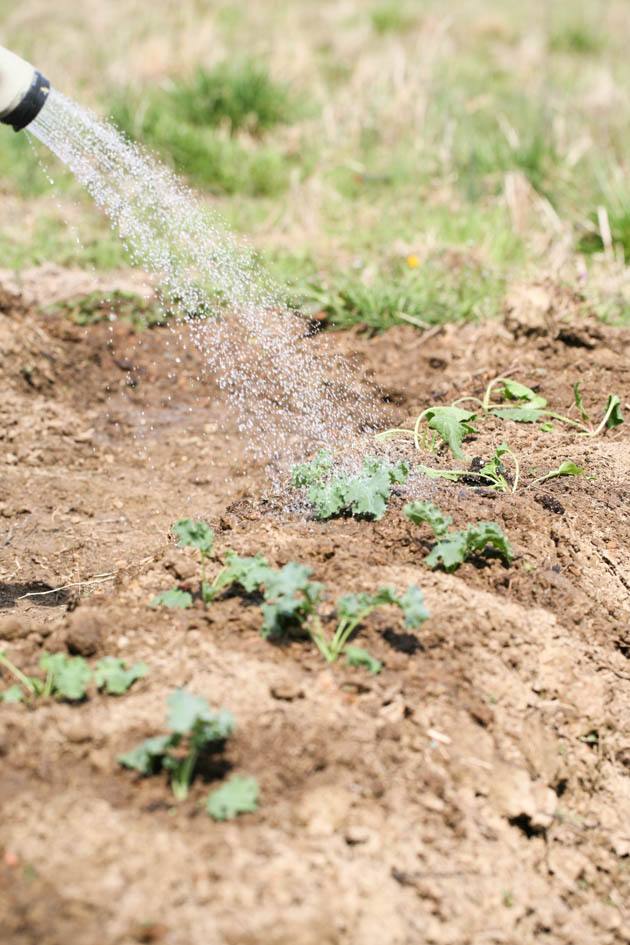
(393, 136)
(97, 307)
(241, 95)
(193, 124)
(391, 17)
(51, 239)
(578, 38)
(423, 296)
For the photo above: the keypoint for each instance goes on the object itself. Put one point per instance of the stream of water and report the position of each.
(288, 400)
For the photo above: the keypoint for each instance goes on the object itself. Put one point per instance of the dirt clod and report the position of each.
(85, 632)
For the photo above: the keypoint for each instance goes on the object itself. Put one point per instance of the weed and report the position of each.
(364, 495)
(455, 547)
(194, 729)
(237, 796)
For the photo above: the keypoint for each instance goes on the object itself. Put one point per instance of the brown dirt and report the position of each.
(476, 791)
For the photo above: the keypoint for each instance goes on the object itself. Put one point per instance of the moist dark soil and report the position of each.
(476, 791)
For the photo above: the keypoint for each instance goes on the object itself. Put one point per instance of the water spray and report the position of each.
(288, 399)
(23, 91)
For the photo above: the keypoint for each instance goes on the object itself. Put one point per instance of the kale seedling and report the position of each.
(190, 534)
(530, 407)
(451, 424)
(493, 474)
(194, 729)
(112, 675)
(69, 677)
(364, 495)
(352, 609)
(455, 547)
(237, 796)
(25, 687)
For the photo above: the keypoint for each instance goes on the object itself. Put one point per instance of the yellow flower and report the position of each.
(413, 262)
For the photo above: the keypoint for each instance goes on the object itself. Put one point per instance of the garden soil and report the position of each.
(476, 791)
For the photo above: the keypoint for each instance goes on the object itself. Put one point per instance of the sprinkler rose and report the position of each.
(23, 91)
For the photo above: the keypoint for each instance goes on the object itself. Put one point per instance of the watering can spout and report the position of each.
(23, 91)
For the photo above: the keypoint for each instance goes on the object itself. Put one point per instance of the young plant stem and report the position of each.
(462, 400)
(180, 781)
(602, 425)
(17, 673)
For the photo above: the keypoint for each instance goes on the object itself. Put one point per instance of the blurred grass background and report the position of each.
(391, 161)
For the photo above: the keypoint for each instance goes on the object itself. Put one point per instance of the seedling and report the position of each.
(66, 676)
(194, 729)
(455, 547)
(237, 796)
(530, 407)
(567, 468)
(70, 677)
(190, 534)
(518, 403)
(364, 495)
(452, 425)
(352, 609)
(357, 656)
(175, 599)
(494, 475)
(112, 675)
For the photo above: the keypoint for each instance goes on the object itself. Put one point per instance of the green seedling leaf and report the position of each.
(452, 424)
(290, 599)
(567, 468)
(579, 403)
(457, 547)
(513, 390)
(309, 474)
(112, 675)
(453, 475)
(69, 676)
(13, 694)
(365, 494)
(484, 535)
(613, 412)
(147, 757)
(187, 712)
(546, 427)
(194, 534)
(248, 573)
(449, 553)
(413, 607)
(357, 656)
(175, 599)
(419, 512)
(237, 796)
